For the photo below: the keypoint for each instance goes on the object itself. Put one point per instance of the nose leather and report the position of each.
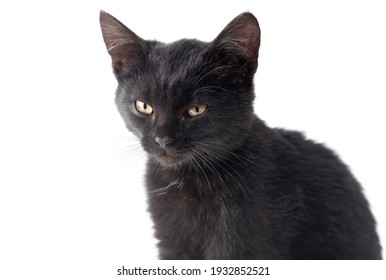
(164, 142)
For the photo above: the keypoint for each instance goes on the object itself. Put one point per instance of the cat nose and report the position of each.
(164, 142)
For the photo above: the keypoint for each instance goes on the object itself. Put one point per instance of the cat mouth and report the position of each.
(169, 158)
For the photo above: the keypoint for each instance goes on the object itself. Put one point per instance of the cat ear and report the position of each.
(240, 40)
(123, 45)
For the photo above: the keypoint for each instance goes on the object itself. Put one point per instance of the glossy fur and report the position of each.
(223, 185)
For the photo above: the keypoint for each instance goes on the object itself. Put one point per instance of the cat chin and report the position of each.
(169, 161)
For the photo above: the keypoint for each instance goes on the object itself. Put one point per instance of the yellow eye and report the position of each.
(196, 110)
(143, 107)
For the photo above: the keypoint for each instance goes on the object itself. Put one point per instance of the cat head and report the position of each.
(186, 100)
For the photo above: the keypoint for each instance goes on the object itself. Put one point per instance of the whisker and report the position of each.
(217, 66)
(217, 162)
(209, 148)
(162, 191)
(223, 157)
(130, 153)
(208, 164)
(217, 146)
(213, 89)
(198, 168)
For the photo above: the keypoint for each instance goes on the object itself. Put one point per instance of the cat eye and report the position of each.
(196, 110)
(143, 107)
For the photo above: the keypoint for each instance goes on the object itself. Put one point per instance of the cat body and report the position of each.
(290, 210)
(221, 184)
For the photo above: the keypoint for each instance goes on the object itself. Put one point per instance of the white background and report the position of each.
(72, 201)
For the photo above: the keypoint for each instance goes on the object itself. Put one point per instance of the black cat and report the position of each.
(221, 184)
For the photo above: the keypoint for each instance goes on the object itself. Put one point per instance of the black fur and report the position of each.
(226, 186)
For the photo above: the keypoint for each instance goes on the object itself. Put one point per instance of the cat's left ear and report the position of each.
(240, 39)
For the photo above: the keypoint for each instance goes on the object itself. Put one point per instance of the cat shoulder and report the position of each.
(298, 142)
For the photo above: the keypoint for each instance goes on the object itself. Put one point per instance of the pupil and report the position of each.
(197, 109)
(144, 106)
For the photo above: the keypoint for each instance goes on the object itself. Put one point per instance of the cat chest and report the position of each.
(201, 224)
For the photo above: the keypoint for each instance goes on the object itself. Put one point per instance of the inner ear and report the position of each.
(123, 45)
(240, 41)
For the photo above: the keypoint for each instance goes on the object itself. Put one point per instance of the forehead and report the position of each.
(177, 55)
(175, 68)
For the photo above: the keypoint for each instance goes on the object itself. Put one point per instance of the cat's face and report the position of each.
(187, 101)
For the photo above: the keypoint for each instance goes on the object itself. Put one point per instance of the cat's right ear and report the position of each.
(123, 45)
